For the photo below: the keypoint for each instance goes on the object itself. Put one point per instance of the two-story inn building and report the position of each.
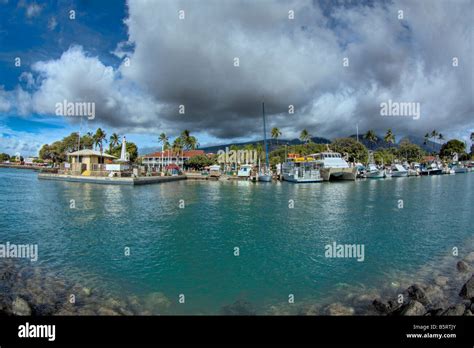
(168, 157)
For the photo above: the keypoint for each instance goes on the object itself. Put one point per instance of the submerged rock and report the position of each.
(416, 293)
(413, 308)
(467, 290)
(239, 307)
(456, 310)
(434, 295)
(435, 312)
(469, 257)
(441, 280)
(107, 311)
(157, 302)
(389, 308)
(338, 309)
(20, 307)
(463, 266)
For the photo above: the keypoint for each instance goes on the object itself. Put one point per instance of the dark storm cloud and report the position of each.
(286, 62)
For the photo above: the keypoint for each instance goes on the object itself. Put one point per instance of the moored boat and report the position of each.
(431, 169)
(373, 172)
(334, 167)
(301, 170)
(398, 171)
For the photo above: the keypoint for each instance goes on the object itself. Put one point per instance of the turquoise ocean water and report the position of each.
(191, 250)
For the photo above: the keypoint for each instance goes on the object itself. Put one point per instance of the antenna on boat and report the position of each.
(265, 137)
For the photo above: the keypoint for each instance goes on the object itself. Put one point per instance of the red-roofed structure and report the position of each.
(162, 159)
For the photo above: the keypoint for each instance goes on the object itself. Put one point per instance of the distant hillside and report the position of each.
(429, 147)
(272, 144)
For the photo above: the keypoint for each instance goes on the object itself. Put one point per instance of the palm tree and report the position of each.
(472, 136)
(371, 136)
(192, 143)
(389, 137)
(426, 138)
(276, 133)
(185, 136)
(440, 137)
(163, 139)
(305, 137)
(178, 146)
(99, 139)
(434, 134)
(113, 141)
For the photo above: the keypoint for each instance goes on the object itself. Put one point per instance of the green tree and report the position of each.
(451, 147)
(114, 141)
(389, 137)
(276, 133)
(200, 161)
(100, 138)
(356, 151)
(189, 142)
(371, 137)
(410, 152)
(4, 157)
(163, 139)
(130, 147)
(305, 137)
(87, 141)
(385, 156)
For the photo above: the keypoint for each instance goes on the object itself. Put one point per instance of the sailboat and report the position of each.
(265, 174)
(373, 172)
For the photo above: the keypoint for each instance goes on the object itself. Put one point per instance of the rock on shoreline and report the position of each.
(32, 291)
(432, 300)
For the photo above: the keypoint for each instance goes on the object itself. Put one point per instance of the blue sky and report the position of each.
(36, 31)
(190, 62)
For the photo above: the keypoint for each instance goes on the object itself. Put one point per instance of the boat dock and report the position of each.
(143, 180)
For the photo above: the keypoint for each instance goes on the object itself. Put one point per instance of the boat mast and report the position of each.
(265, 137)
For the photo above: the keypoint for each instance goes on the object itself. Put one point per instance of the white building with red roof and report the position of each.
(167, 157)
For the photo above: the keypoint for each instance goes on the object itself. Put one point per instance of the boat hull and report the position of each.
(291, 178)
(339, 173)
(431, 172)
(378, 174)
(265, 178)
(399, 174)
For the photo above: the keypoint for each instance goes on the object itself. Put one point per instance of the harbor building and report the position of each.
(168, 157)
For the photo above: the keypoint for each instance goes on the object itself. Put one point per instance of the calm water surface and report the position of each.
(191, 251)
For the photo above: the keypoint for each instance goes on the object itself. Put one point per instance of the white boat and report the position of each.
(333, 166)
(459, 169)
(264, 174)
(244, 170)
(399, 171)
(375, 173)
(301, 170)
(431, 169)
(414, 170)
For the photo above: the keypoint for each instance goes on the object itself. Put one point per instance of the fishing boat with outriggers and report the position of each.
(303, 169)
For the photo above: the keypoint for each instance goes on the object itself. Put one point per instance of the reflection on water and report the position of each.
(281, 230)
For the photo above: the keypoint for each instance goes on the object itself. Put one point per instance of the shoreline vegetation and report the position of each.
(386, 150)
(27, 290)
